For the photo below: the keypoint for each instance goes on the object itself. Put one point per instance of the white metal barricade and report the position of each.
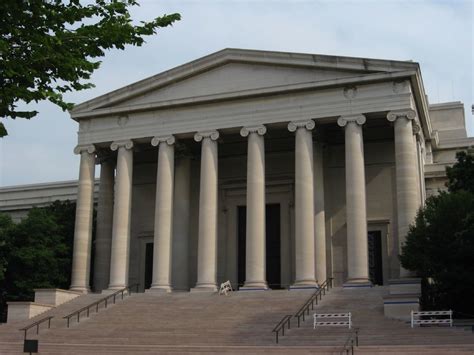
(328, 319)
(420, 317)
(226, 287)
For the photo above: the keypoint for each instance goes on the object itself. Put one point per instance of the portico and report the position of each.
(329, 140)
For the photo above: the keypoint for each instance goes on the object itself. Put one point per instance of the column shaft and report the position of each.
(207, 232)
(163, 214)
(408, 200)
(319, 215)
(356, 210)
(120, 251)
(83, 226)
(304, 204)
(103, 240)
(182, 202)
(255, 267)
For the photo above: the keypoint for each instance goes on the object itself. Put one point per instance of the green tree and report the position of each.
(38, 251)
(461, 174)
(39, 257)
(50, 47)
(6, 225)
(440, 245)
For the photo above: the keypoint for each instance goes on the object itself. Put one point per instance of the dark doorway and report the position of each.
(148, 265)
(273, 255)
(375, 257)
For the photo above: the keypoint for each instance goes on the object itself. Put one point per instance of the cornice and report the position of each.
(259, 129)
(213, 135)
(266, 91)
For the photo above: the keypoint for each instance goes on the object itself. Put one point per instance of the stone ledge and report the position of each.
(54, 296)
(400, 306)
(18, 311)
(408, 286)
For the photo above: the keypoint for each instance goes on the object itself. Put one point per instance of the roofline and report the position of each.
(275, 90)
(228, 55)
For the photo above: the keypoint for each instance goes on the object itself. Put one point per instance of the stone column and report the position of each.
(105, 211)
(163, 214)
(207, 232)
(356, 205)
(406, 181)
(255, 267)
(81, 258)
(319, 215)
(120, 252)
(304, 204)
(181, 208)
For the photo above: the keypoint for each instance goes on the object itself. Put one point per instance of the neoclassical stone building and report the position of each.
(263, 168)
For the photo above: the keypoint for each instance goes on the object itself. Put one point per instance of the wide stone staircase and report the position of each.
(374, 329)
(239, 323)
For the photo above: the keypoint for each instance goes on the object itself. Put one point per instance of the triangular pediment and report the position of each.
(233, 78)
(232, 72)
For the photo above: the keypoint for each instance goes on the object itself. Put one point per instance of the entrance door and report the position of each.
(375, 257)
(148, 265)
(272, 241)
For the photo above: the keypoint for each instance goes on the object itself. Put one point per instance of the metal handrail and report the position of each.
(37, 324)
(349, 344)
(281, 326)
(97, 303)
(325, 286)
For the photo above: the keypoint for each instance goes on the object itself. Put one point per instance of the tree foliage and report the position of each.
(38, 251)
(6, 225)
(461, 174)
(50, 47)
(440, 245)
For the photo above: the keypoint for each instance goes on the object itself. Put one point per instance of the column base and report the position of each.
(159, 288)
(357, 283)
(80, 289)
(112, 289)
(305, 285)
(254, 286)
(109, 291)
(204, 288)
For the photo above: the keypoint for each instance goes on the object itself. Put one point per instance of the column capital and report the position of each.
(127, 144)
(416, 129)
(90, 148)
(409, 114)
(170, 140)
(259, 129)
(359, 119)
(199, 136)
(294, 125)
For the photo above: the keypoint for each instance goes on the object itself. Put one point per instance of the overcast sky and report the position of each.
(437, 34)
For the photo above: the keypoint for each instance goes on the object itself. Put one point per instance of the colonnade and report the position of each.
(310, 243)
